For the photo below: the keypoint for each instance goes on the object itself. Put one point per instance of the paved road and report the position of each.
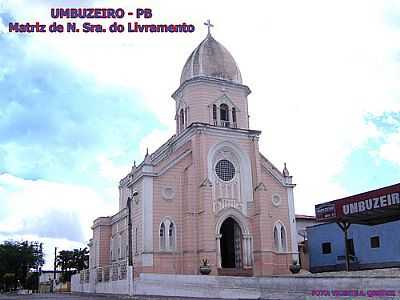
(272, 296)
(58, 297)
(279, 296)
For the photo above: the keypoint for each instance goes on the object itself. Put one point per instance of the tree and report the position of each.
(72, 261)
(17, 259)
(81, 258)
(8, 281)
(64, 261)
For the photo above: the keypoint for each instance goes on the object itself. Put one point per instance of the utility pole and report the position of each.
(345, 228)
(55, 269)
(129, 204)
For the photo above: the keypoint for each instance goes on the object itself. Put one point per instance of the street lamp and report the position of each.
(129, 204)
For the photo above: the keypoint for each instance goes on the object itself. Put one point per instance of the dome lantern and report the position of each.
(211, 59)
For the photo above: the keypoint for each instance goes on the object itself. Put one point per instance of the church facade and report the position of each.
(207, 194)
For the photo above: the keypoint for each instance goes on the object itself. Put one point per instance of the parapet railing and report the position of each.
(224, 123)
(84, 276)
(115, 271)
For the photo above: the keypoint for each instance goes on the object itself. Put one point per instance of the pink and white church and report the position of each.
(206, 193)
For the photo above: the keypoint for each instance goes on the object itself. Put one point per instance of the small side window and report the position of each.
(375, 243)
(326, 248)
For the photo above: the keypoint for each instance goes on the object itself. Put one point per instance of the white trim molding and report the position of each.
(292, 224)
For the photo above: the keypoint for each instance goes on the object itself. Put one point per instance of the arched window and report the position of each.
(167, 235)
(171, 235)
(283, 239)
(280, 243)
(111, 248)
(182, 118)
(234, 117)
(276, 239)
(214, 114)
(224, 115)
(162, 236)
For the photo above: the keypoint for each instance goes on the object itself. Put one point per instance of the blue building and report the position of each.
(370, 247)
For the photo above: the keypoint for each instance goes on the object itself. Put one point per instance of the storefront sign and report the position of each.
(386, 201)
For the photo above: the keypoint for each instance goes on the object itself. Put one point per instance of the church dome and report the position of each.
(211, 59)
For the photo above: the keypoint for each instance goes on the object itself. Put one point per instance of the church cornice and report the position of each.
(172, 163)
(101, 221)
(216, 81)
(206, 183)
(231, 131)
(276, 174)
(260, 187)
(123, 213)
(175, 142)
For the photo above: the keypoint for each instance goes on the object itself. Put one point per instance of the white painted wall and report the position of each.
(120, 287)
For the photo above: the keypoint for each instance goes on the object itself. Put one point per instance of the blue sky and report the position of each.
(55, 122)
(365, 169)
(77, 110)
(58, 126)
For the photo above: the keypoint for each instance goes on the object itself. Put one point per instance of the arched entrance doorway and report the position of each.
(231, 245)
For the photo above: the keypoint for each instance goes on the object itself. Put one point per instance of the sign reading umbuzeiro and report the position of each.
(381, 203)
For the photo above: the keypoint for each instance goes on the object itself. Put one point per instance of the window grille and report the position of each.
(225, 170)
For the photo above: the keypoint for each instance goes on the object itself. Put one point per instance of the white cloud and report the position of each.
(153, 141)
(110, 170)
(30, 203)
(29, 199)
(315, 68)
(390, 150)
(3, 29)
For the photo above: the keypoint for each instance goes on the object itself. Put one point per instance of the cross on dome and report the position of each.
(211, 59)
(209, 25)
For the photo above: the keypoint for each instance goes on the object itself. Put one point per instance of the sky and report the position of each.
(76, 110)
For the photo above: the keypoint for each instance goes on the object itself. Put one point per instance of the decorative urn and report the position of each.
(295, 267)
(205, 268)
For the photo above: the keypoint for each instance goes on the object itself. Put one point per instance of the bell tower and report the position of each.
(211, 89)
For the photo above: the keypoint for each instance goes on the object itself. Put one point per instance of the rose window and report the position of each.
(225, 170)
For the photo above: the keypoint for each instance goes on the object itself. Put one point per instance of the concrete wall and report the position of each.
(79, 287)
(120, 287)
(226, 287)
(386, 255)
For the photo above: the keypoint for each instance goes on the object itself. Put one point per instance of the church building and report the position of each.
(207, 194)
